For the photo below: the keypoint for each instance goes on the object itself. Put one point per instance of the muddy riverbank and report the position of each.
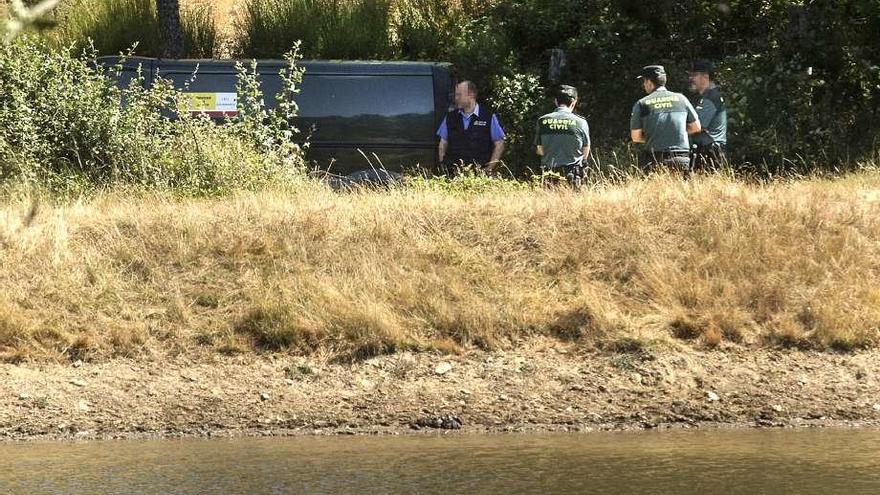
(542, 386)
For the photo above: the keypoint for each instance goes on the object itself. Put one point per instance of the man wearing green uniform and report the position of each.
(709, 147)
(562, 138)
(662, 121)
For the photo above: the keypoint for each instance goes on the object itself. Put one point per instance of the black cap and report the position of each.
(652, 71)
(567, 91)
(703, 66)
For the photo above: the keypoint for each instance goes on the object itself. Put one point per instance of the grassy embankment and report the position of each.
(657, 263)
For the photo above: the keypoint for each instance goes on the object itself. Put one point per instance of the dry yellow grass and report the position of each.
(224, 10)
(705, 262)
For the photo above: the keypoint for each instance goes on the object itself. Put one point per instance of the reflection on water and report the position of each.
(747, 462)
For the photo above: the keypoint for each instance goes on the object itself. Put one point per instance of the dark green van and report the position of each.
(387, 109)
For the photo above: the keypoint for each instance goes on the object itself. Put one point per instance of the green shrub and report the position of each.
(517, 99)
(271, 131)
(62, 127)
(114, 26)
(421, 31)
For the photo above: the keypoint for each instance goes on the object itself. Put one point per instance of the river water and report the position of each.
(677, 462)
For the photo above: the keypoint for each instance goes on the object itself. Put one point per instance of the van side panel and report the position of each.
(346, 160)
(387, 110)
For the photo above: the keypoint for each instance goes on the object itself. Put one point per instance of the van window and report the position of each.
(389, 109)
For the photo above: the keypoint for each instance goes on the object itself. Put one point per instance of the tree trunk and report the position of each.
(170, 30)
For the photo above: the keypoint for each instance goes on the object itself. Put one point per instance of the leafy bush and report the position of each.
(517, 99)
(271, 131)
(422, 28)
(62, 127)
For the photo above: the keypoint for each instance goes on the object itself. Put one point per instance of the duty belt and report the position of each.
(663, 155)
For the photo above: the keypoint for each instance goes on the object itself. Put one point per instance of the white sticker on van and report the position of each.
(211, 102)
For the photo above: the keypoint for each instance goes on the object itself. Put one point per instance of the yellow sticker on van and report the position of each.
(210, 102)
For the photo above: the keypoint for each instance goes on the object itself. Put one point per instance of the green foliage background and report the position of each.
(801, 77)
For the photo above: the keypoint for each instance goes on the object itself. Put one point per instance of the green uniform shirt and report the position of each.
(663, 116)
(713, 117)
(563, 135)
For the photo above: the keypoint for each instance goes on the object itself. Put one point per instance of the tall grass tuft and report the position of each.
(328, 28)
(202, 37)
(428, 29)
(355, 29)
(265, 25)
(113, 26)
(350, 29)
(422, 28)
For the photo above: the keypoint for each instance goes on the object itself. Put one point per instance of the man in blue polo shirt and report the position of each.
(470, 135)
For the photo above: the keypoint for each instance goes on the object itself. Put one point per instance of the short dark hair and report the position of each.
(564, 100)
(658, 80)
(471, 87)
(566, 94)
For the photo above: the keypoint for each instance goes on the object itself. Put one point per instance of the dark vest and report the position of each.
(473, 144)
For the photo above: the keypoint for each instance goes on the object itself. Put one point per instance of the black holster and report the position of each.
(708, 156)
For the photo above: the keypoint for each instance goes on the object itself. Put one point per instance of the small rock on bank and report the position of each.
(443, 368)
(445, 422)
